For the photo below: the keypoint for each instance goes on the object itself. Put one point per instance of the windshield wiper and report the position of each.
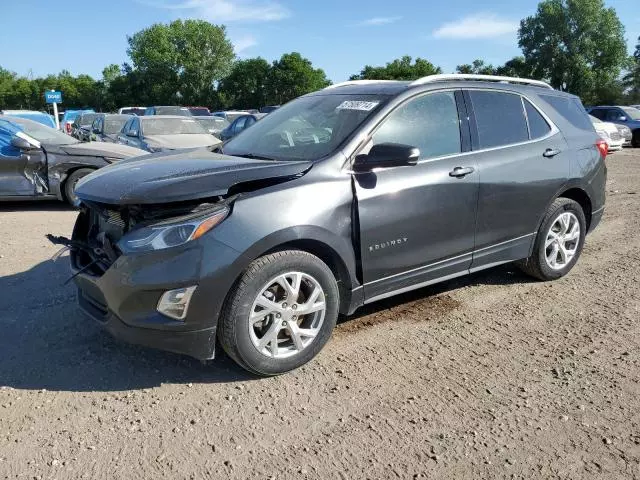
(253, 156)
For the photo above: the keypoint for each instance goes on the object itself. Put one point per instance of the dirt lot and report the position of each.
(490, 376)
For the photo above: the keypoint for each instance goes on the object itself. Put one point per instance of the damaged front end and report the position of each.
(101, 233)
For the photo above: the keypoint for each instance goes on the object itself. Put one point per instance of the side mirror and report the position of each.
(132, 133)
(21, 143)
(622, 118)
(386, 155)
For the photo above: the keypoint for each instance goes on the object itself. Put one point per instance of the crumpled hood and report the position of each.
(181, 176)
(192, 140)
(102, 149)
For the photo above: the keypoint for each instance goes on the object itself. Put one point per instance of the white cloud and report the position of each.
(375, 21)
(482, 25)
(243, 42)
(222, 11)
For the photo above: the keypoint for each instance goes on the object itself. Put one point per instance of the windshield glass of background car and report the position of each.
(88, 118)
(44, 134)
(114, 125)
(183, 111)
(632, 113)
(214, 123)
(170, 126)
(307, 128)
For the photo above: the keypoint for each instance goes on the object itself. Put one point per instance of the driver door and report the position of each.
(417, 223)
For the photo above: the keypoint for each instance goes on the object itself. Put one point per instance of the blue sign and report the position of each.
(53, 97)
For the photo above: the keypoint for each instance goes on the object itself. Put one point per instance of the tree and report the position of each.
(180, 62)
(245, 86)
(632, 78)
(399, 69)
(477, 67)
(293, 76)
(516, 67)
(577, 44)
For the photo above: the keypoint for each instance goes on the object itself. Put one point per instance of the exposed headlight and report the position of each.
(170, 234)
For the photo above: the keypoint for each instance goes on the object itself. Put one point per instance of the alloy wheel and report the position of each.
(562, 241)
(287, 315)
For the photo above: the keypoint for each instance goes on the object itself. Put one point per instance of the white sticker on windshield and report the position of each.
(357, 105)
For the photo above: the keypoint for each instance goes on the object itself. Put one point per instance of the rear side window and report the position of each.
(429, 122)
(571, 109)
(500, 118)
(538, 126)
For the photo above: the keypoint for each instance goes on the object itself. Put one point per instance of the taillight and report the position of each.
(603, 147)
(67, 127)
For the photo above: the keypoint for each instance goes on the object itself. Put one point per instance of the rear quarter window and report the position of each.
(571, 110)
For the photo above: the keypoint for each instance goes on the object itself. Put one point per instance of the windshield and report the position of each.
(87, 118)
(307, 128)
(170, 126)
(213, 123)
(199, 110)
(113, 124)
(632, 113)
(183, 111)
(133, 111)
(42, 133)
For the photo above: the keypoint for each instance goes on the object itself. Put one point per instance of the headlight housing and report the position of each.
(172, 233)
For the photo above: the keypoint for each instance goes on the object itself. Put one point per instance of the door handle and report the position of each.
(461, 172)
(551, 152)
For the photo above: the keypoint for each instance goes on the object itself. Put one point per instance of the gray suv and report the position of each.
(338, 199)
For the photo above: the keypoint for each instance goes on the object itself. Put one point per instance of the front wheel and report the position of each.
(559, 241)
(280, 313)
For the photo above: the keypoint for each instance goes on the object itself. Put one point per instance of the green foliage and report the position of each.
(399, 69)
(477, 67)
(574, 43)
(631, 80)
(245, 86)
(292, 76)
(179, 63)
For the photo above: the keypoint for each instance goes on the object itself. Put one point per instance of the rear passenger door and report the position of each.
(523, 161)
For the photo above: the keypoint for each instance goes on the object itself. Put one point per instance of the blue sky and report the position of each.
(340, 36)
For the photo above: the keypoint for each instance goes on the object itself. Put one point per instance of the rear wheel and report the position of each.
(559, 242)
(70, 184)
(280, 313)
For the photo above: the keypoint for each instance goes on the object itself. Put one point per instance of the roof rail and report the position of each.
(483, 78)
(357, 82)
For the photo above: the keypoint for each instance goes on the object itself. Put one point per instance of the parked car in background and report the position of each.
(628, 116)
(158, 133)
(106, 126)
(239, 125)
(609, 133)
(626, 134)
(139, 111)
(231, 115)
(81, 126)
(68, 118)
(168, 110)
(212, 124)
(199, 111)
(40, 117)
(269, 108)
(39, 162)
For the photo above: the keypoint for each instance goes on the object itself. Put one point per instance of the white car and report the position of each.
(609, 133)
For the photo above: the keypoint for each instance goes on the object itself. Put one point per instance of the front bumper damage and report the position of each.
(121, 292)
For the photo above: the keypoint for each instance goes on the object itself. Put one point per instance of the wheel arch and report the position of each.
(580, 196)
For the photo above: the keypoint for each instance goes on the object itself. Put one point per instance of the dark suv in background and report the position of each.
(340, 198)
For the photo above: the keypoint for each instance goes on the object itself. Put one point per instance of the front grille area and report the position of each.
(615, 136)
(98, 231)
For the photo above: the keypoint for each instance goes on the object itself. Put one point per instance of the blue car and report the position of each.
(40, 117)
(69, 116)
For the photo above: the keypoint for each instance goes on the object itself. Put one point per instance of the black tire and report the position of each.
(70, 184)
(635, 140)
(536, 265)
(234, 327)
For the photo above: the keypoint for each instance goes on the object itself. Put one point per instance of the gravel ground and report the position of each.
(489, 376)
